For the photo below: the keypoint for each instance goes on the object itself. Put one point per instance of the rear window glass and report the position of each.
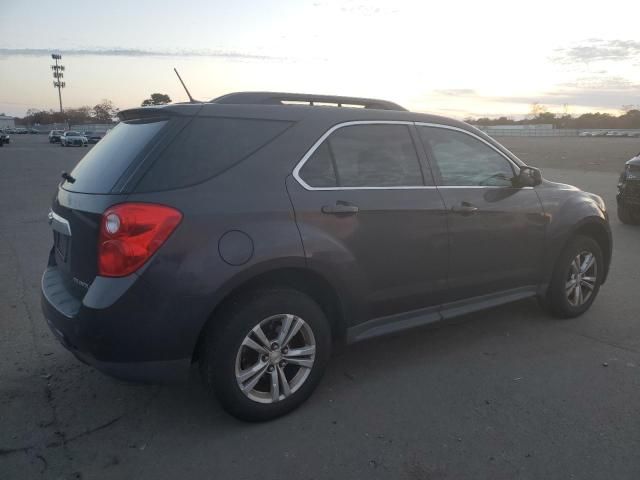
(101, 168)
(206, 148)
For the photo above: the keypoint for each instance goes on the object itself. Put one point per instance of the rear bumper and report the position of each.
(167, 371)
(120, 328)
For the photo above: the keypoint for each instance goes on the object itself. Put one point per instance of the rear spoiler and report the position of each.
(159, 112)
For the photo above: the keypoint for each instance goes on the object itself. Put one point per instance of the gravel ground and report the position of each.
(504, 394)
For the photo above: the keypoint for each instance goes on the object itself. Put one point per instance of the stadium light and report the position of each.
(58, 75)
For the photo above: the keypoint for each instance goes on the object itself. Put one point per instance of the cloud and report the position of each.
(456, 92)
(596, 50)
(601, 83)
(132, 52)
(609, 92)
(361, 9)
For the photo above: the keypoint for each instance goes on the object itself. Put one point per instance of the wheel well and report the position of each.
(302, 280)
(600, 235)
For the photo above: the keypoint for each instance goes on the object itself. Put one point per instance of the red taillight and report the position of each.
(130, 233)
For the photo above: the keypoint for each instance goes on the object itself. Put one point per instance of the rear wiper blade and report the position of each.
(68, 177)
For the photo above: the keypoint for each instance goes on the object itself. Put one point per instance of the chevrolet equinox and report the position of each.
(250, 233)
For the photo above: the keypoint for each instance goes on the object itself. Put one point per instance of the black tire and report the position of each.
(226, 332)
(626, 216)
(557, 300)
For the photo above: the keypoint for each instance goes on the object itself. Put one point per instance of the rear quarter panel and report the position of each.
(251, 198)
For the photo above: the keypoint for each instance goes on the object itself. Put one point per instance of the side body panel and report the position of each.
(391, 255)
(568, 210)
(499, 246)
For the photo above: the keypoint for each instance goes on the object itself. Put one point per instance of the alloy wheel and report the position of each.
(581, 278)
(275, 358)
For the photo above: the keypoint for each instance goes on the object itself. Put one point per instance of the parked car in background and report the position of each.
(34, 131)
(21, 131)
(54, 136)
(73, 139)
(92, 137)
(248, 234)
(4, 138)
(629, 192)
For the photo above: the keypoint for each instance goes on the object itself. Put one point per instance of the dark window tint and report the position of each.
(366, 156)
(99, 170)
(318, 171)
(463, 160)
(207, 147)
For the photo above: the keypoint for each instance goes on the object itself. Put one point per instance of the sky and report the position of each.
(461, 59)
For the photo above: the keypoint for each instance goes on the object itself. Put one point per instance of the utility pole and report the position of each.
(58, 75)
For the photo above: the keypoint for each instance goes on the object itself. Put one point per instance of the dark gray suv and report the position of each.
(250, 233)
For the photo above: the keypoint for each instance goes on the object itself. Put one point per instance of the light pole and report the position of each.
(58, 75)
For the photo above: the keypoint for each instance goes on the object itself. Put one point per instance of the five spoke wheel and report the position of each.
(275, 358)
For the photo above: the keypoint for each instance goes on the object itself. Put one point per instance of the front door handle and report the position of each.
(340, 208)
(465, 208)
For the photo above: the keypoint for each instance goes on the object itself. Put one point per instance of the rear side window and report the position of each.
(206, 148)
(101, 168)
(319, 170)
(376, 155)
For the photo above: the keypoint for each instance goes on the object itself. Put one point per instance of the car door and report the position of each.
(496, 228)
(370, 218)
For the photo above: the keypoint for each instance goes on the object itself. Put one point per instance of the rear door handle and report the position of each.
(340, 208)
(465, 208)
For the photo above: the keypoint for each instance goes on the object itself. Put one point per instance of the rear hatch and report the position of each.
(102, 178)
(149, 151)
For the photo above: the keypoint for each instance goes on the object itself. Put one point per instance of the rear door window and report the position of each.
(207, 147)
(104, 164)
(365, 156)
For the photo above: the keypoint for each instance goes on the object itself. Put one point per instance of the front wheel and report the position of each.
(265, 354)
(627, 216)
(577, 277)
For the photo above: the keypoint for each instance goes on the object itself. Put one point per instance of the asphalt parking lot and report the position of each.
(508, 393)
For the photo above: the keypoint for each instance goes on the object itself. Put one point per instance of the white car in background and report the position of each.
(73, 139)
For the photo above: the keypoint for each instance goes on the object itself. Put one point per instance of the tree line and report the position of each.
(629, 119)
(104, 112)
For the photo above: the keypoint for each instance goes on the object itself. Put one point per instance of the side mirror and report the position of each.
(529, 177)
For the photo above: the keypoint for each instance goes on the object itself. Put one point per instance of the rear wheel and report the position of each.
(265, 354)
(577, 277)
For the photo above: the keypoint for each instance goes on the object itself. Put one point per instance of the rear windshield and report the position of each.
(206, 148)
(100, 169)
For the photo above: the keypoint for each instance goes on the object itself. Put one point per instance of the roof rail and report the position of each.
(282, 98)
